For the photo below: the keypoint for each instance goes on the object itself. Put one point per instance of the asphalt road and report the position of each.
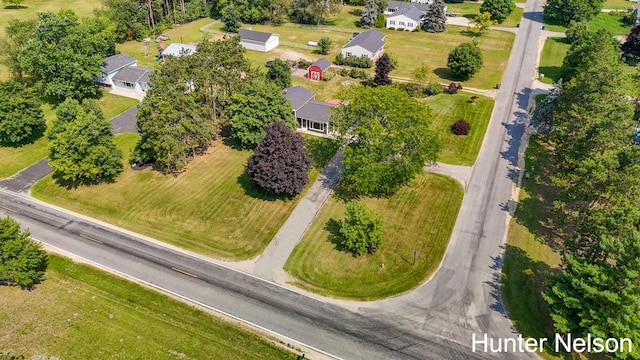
(435, 321)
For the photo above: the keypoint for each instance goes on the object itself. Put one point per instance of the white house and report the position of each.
(312, 115)
(112, 65)
(369, 44)
(407, 15)
(258, 41)
(178, 50)
(133, 79)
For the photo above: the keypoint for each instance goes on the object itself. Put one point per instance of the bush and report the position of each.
(361, 229)
(328, 75)
(454, 87)
(391, 28)
(344, 72)
(412, 89)
(380, 22)
(303, 64)
(355, 61)
(433, 89)
(460, 127)
(400, 29)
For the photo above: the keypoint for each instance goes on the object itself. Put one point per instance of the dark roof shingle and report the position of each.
(322, 63)
(116, 62)
(317, 111)
(133, 74)
(298, 96)
(371, 40)
(254, 35)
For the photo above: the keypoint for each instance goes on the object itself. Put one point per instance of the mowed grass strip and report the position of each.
(446, 110)
(613, 24)
(553, 52)
(532, 244)
(211, 208)
(418, 217)
(79, 312)
(14, 159)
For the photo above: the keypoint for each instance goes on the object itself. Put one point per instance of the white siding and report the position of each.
(402, 22)
(273, 42)
(357, 51)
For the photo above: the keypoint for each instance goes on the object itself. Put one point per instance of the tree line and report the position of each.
(589, 121)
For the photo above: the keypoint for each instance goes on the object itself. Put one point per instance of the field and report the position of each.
(419, 217)
(551, 58)
(617, 4)
(613, 24)
(446, 110)
(471, 9)
(211, 208)
(79, 312)
(14, 159)
(532, 244)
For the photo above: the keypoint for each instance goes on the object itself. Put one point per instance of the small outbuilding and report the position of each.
(258, 41)
(317, 69)
(178, 50)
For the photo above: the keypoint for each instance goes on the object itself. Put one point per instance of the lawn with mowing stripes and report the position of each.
(419, 217)
(446, 110)
(532, 244)
(14, 159)
(211, 208)
(79, 312)
(553, 53)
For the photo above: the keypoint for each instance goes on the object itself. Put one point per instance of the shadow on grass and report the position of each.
(321, 150)
(71, 184)
(522, 296)
(445, 73)
(15, 7)
(356, 12)
(256, 193)
(37, 134)
(550, 72)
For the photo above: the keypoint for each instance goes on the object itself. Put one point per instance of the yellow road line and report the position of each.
(184, 272)
(9, 209)
(90, 238)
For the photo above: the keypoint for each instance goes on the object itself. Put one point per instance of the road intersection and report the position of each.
(435, 321)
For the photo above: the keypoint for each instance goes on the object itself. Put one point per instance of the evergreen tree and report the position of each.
(20, 114)
(383, 68)
(592, 45)
(84, 152)
(631, 46)
(280, 164)
(499, 9)
(252, 110)
(22, 260)
(435, 18)
(231, 19)
(279, 73)
(369, 14)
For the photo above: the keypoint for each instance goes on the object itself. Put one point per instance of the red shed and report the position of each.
(317, 69)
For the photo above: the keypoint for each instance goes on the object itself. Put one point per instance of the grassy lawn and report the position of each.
(617, 4)
(513, 19)
(446, 110)
(612, 24)
(532, 244)
(419, 217)
(80, 312)
(471, 9)
(211, 208)
(551, 58)
(551, 25)
(14, 159)
(349, 16)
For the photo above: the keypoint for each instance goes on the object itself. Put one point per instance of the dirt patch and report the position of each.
(288, 54)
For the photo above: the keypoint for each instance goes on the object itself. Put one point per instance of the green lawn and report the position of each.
(211, 208)
(14, 159)
(532, 244)
(471, 9)
(79, 312)
(514, 18)
(551, 58)
(446, 110)
(419, 217)
(612, 24)
(617, 4)
(349, 16)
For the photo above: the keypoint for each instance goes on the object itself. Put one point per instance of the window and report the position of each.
(392, 22)
(401, 23)
(410, 24)
(129, 85)
(316, 126)
(348, 53)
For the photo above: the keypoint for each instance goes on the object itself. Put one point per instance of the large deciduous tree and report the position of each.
(22, 260)
(436, 18)
(66, 56)
(314, 11)
(252, 110)
(324, 45)
(483, 22)
(465, 60)
(565, 11)
(499, 9)
(280, 164)
(20, 114)
(383, 68)
(18, 33)
(83, 151)
(631, 46)
(388, 139)
(361, 230)
(279, 73)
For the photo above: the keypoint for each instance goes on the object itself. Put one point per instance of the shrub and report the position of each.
(460, 127)
(380, 22)
(412, 89)
(303, 64)
(355, 61)
(344, 72)
(433, 89)
(454, 87)
(361, 229)
(328, 75)
(391, 28)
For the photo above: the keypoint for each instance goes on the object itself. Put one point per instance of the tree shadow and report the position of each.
(257, 193)
(36, 135)
(71, 184)
(321, 150)
(15, 7)
(333, 228)
(356, 12)
(445, 73)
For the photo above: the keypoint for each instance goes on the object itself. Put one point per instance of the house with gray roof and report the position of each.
(112, 65)
(406, 15)
(178, 50)
(316, 70)
(369, 44)
(312, 115)
(132, 78)
(258, 41)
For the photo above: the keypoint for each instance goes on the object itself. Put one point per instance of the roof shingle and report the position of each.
(115, 62)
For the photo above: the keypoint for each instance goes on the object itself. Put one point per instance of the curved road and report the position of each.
(434, 322)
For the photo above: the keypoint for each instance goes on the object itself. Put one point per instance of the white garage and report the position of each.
(258, 41)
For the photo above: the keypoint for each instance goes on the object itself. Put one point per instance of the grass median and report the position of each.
(418, 217)
(79, 312)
